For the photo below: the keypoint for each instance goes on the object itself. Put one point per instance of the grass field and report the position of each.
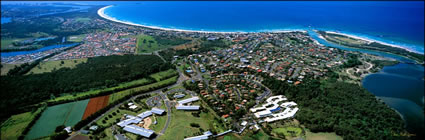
(288, 131)
(76, 38)
(13, 127)
(82, 19)
(121, 94)
(322, 136)
(76, 95)
(108, 132)
(49, 66)
(260, 135)
(160, 123)
(7, 42)
(159, 75)
(180, 124)
(71, 96)
(7, 67)
(64, 114)
(147, 44)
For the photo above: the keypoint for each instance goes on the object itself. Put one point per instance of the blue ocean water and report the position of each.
(400, 23)
(6, 20)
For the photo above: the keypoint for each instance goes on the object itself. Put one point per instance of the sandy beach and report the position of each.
(101, 13)
(367, 40)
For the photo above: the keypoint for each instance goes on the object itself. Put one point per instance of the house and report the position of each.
(133, 107)
(94, 127)
(179, 96)
(68, 129)
(244, 123)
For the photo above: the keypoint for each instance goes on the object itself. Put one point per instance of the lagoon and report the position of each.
(401, 87)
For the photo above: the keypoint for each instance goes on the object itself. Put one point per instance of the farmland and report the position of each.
(162, 74)
(146, 44)
(95, 104)
(322, 136)
(121, 85)
(50, 66)
(6, 67)
(13, 127)
(76, 38)
(64, 114)
(180, 128)
(7, 42)
(121, 94)
(97, 91)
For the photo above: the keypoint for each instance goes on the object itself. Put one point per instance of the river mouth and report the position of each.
(346, 17)
(401, 86)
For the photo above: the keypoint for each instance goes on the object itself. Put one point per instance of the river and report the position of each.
(400, 86)
(15, 53)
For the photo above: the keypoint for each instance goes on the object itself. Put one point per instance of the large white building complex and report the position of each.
(275, 109)
(130, 122)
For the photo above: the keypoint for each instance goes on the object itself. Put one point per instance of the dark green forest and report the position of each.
(329, 105)
(48, 24)
(99, 72)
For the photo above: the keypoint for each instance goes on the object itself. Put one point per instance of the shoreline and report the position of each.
(369, 40)
(101, 13)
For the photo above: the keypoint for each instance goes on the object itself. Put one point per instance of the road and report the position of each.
(179, 81)
(153, 53)
(167, 104)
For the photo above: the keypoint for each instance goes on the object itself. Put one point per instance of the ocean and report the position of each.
(399, 23)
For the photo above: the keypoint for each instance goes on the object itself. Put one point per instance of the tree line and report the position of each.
(99, 72)
(329, 105)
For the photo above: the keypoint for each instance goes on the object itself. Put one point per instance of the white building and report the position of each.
(272, 110)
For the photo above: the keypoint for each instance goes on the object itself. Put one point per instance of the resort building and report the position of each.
(272, 110)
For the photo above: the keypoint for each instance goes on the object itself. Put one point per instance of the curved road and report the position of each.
(179, 81)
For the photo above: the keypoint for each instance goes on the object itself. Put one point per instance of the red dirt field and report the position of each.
(95, 104)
